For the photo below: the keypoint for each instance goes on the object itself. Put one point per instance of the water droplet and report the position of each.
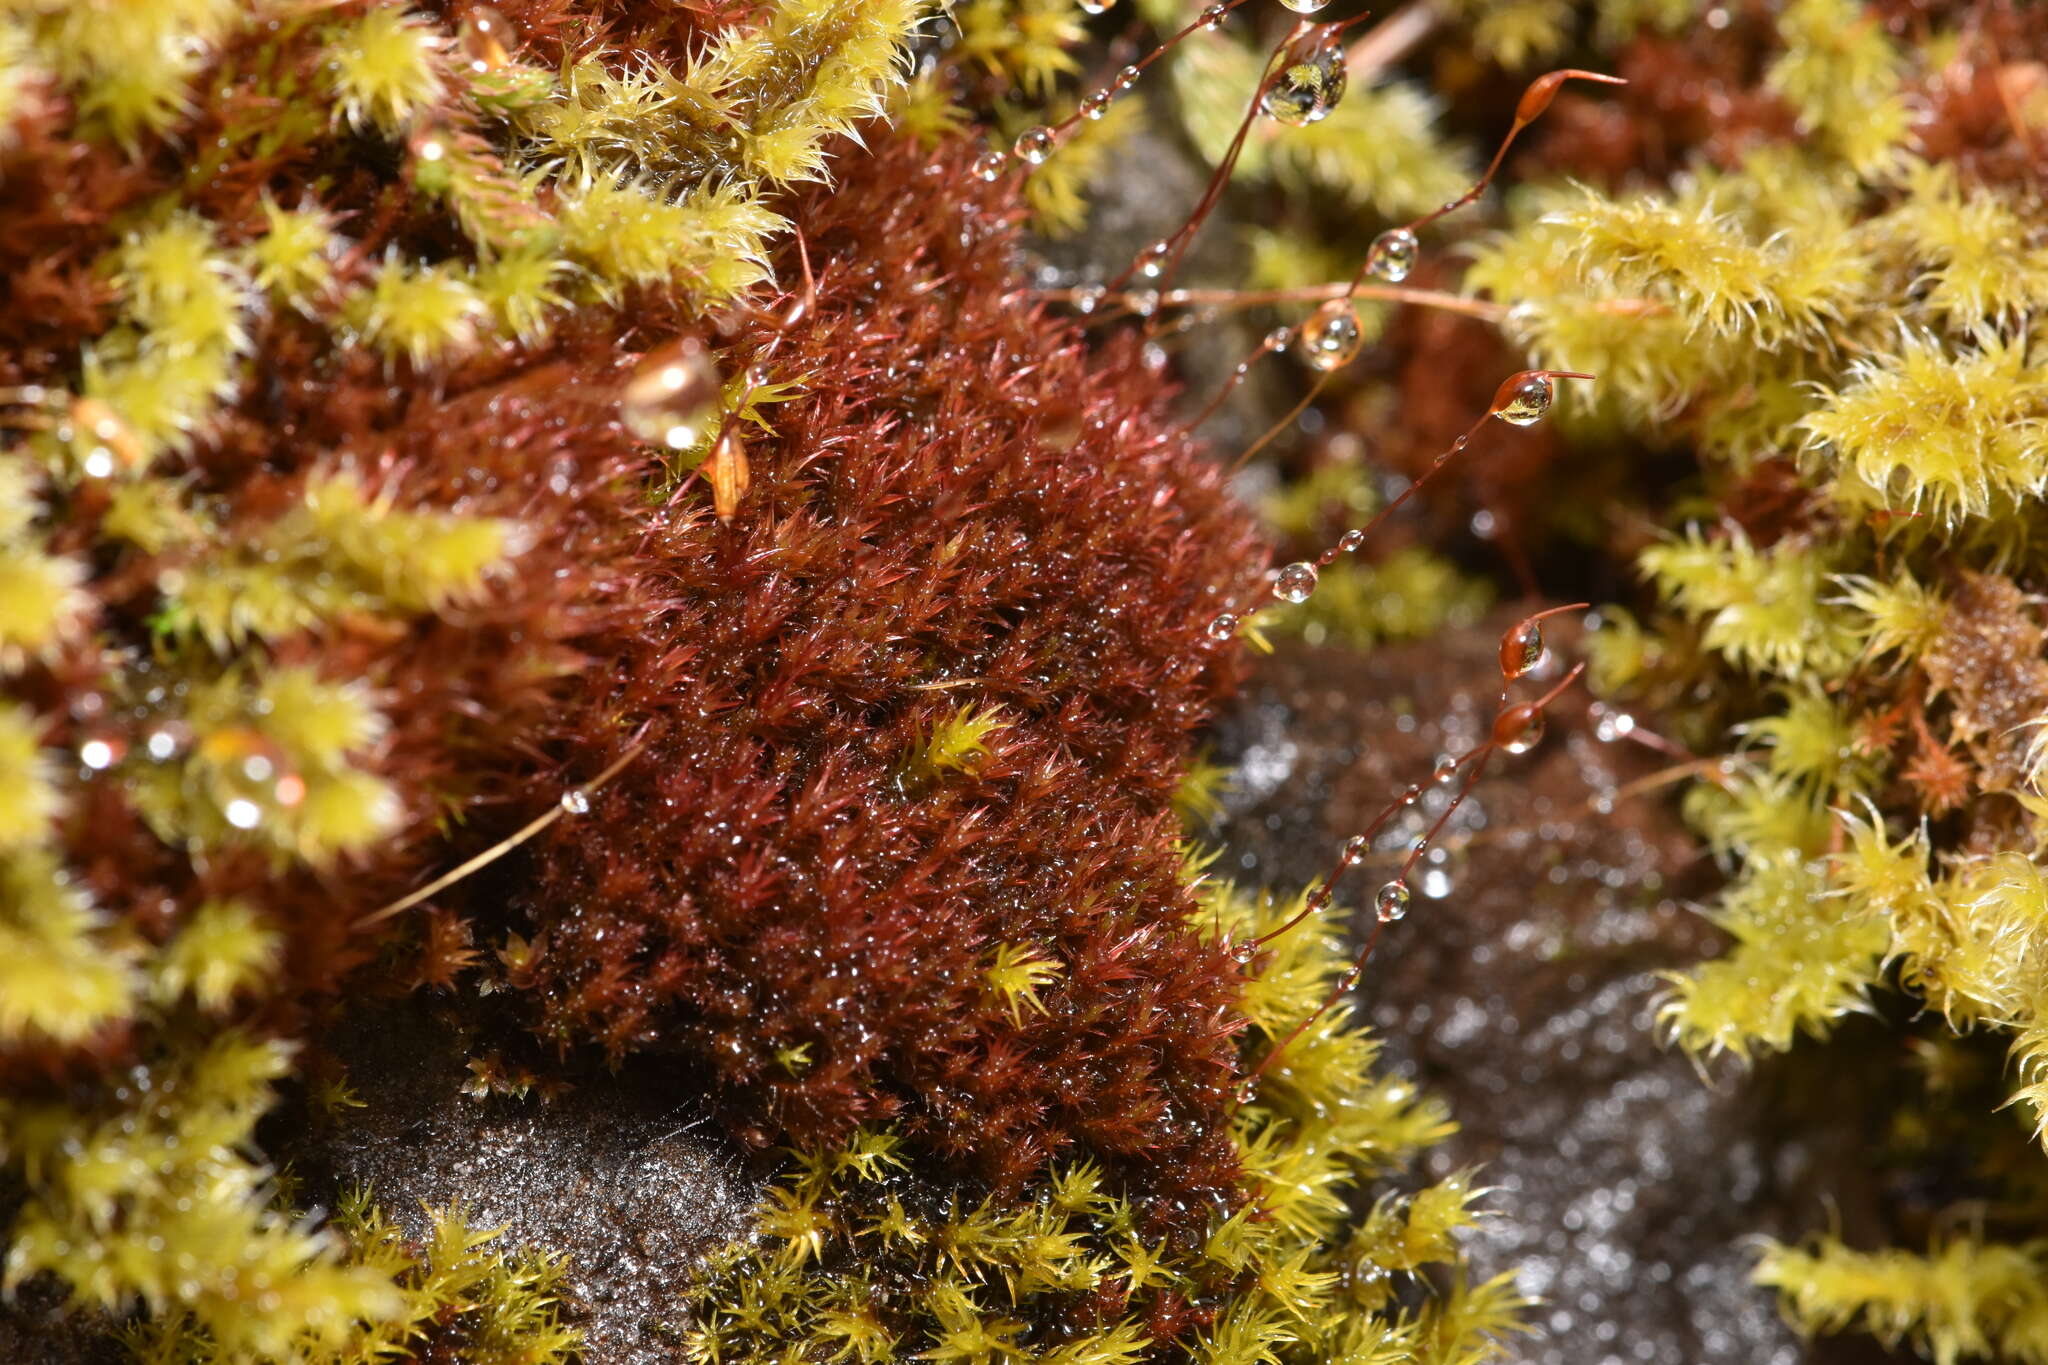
(1307, 6)
(1610, 724)
(575, 801)
(484, 38)
(1355, 847)
(1097, 6)
(1525, 401)
(1127, 78)
(671, 393)
(1311, 80)
(1143, 303)
(1521, 649)
(1152, 260)
(242, 813)
(1213, 17)
(1224, 627)
(1330, 338)
(1350, 541)
(1393, 253)
(1517, 729)
(1096, 105)
(1391, 901)
(1412, 795)
(1295, 582)
(1446, 769)
(1089, 297)
(991, 164)
(1033, 145)
(165, 742)
(100, 753)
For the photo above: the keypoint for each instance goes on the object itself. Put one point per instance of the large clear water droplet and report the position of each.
(1393, 253)
(1033, 145)
(1213, 17)
(1223, 627)
(1525, 403)
(1311, 80)
(671, 395)
(1355, 847)
(1330, 339)
(484, 39)
(1351, 540)
(1391, 901)
(991, 164)
(1521, 649)
(1307, 6)
(1518, 729)
(1152, 260)
(1295, 582)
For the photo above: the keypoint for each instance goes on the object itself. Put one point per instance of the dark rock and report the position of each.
(1521, 987)
(38, 1327)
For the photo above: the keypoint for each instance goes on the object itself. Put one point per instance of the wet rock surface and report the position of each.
(1142, 196)
(625, 1175)
(1521, 988)
(37, 1327)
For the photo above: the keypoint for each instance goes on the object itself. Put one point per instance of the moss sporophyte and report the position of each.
(576, 515)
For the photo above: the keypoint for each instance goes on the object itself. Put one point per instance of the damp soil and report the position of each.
(1522, 986)
(625, 1174)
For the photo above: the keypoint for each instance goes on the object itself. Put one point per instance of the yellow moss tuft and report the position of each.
(41, 603)
(293, 259)
(1764, 609)
(1924, 427)
(61, 979)
(1802, 959)
(1965, 1298)
(956, 743)
(713, 240)
(1014, 975)
(385, 67)
(422, 313)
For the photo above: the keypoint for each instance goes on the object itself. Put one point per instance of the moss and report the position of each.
(265, 655)
(823, 729)
(857, 1260)
(1815, 318)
